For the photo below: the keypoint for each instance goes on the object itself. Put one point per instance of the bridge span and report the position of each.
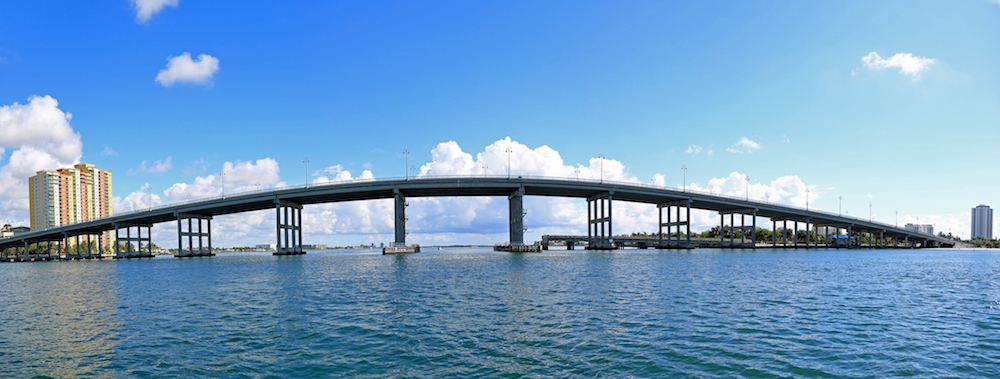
(194, 218)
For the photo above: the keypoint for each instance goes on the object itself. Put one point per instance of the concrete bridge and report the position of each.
(194, 218)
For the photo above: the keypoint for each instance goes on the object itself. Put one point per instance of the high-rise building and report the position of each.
(70, 195)
(982, 222)
(922, 228)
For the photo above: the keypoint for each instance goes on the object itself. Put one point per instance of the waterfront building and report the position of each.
(70, 195)
(982, 222)
(922, 228)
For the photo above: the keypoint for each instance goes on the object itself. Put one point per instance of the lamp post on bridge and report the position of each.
(406, 165)
(222, 174)
(897, 219)
(602, 167)
(509, 150)
(149, 189)
(577, 173)
(807, 199)
(306, 161)
(869, 212)
(709, 190)
(485, 166)
(685, 169)
(747, 178)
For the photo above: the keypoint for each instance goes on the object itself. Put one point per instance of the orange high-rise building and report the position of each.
(70, 195)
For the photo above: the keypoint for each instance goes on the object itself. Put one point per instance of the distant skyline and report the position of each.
(881, 104)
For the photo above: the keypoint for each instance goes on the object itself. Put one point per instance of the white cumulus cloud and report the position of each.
(43, 139)
(146, 9)
(693, 149)
(183, 69)
(907, 63)
(744, 145)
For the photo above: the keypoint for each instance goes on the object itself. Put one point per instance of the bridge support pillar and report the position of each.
(204, 237)
(744, 229)
(138, 239)
(400, 217)
(599, 233)
(516, 215)
(807, 233)
(290, 226)
(673, 243)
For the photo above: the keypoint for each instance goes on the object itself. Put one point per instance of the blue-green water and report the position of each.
(473, 312)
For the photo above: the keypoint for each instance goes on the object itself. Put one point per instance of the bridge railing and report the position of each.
(630, 183)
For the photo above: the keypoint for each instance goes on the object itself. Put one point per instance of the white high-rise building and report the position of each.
(982, 222)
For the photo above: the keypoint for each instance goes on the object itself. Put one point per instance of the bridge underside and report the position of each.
(289, 202)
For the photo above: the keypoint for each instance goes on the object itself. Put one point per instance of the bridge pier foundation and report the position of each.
(599, 233)
(203, 250)
(290, 226)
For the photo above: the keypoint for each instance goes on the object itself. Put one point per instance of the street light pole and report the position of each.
(222, 175)
(406, 166)
(306, 161)
(509, 150)
(685, 169)
(747, 178)
(869, 212)
(485, 166)
(577, 173)
(602, 167)
(807, 199)
(149, 189)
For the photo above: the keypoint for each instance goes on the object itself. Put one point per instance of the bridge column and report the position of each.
(400, 217)
(138, 239)
(290, 226)
(516, 215)
(600, 220)
(193, 232)
(673, 243)
(807, 233)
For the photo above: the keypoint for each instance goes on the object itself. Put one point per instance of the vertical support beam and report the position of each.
(117, 237)
(678, 225)
(516, 215)
(299, 225)
(277, 225)
(732, 229)
(659, 212)
(687, 220)
(753, 233)
(210, 237)
(795, 234)
(590, 223)
(807, 233)
(400, 217)
(722, 229)
(743, 229)
(774, 233)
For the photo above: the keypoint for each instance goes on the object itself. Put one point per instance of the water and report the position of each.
(473, 313)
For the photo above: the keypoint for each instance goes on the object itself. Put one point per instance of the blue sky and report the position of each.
(769, 90)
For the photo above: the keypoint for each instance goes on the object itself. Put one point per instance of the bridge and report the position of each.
(194, 218)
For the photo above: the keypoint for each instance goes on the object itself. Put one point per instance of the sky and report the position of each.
(889, 109)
